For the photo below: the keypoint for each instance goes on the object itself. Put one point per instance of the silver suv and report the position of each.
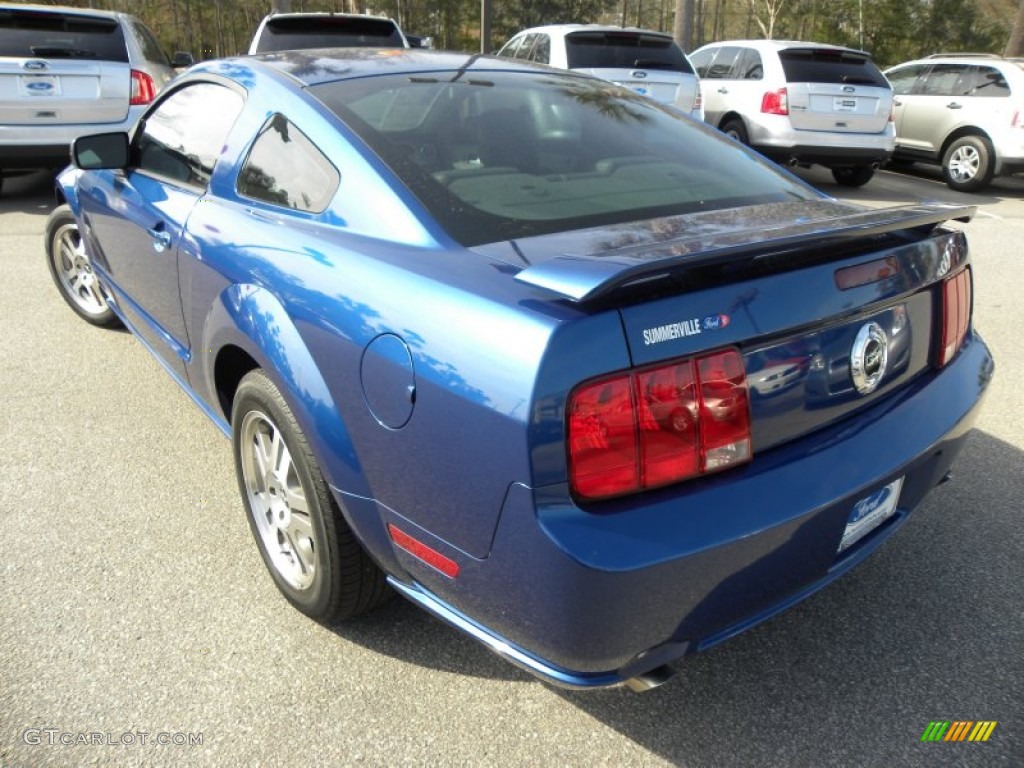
(800, 103)
(647, 62)
(67, 72)
(965, 112)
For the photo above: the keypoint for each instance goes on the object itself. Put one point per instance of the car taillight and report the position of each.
(956, 314)
(143, 88)
(1016, 121)
(658, 425)
(775, 102)
(698, 102)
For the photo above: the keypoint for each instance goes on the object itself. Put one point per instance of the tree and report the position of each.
(1015, 45)
(772, 9)
(682, 30)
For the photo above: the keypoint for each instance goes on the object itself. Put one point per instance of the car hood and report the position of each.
(584, 265)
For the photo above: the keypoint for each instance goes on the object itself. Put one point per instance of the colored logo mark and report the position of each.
(959, 730)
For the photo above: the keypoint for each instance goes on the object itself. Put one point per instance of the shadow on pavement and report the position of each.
(28, 193)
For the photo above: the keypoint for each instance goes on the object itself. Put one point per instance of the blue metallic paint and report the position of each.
(581, 596)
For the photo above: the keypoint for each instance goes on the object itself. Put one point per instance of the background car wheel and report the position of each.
(301, 533)
(72, 272)
(967, 165)
(735, 129)
(853, 175)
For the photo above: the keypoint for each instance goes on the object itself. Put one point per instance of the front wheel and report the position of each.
(304, 540)
(853, 175)
(72, 271)
(968, 164)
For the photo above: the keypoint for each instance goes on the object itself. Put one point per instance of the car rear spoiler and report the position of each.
(583, 278)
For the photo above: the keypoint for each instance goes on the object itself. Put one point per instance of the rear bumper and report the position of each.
(592, 599)
(46, 146)
(774, 137)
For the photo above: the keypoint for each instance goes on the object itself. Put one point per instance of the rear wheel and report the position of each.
(735, 129)
(72, 271)
(968, 164)
(304, 540)
(853, 175)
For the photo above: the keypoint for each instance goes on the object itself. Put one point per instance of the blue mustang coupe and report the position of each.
(578, 375)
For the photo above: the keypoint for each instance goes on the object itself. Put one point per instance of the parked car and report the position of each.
(964, 112)
(65, 72)
(507, 373)
(291, 31)
(649, 63)
(800, 103)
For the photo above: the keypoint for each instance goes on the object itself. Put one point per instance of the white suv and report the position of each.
(649, 63)
(67, 72)
(296, 31)
(800, 103)
(964, 112)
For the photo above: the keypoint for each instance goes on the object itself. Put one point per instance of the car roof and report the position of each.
(315, 14)
(317, 65)
(565, 29)
(64, 10)
(781, 45)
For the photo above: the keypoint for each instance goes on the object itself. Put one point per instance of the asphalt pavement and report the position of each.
(138, 625)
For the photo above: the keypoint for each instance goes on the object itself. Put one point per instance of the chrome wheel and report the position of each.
(73, 269)
(278, 501)
(964, 163)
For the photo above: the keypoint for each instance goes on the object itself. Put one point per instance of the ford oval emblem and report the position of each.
(869, 358)
(638, 74)
(34, 64)
(39, 87)
(848, 89)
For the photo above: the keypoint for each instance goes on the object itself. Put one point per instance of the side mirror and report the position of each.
(182, 60)
(100, 151)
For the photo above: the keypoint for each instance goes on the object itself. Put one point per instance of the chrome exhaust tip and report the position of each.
(651, 680)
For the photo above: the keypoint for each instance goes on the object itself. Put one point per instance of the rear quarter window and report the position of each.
(47, 35)
(624, 50)
(807, 65)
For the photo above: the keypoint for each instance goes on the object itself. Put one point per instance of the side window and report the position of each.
(509, 49)
(989, 81)
(749, 66)
(943, 80)
(527, 45)
(542, 50)
(285, 168)
(701, 59)
(150, 47)
(182, 138)
(902, 80)
(725, 63)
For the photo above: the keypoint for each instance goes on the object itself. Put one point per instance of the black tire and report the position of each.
(968, 164)
(325, 574)
(71, 271)
(853, 175)
(735, 129)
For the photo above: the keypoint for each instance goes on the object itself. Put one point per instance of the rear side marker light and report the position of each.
(143, 88)
(658, 425)
(775, 102)
(956, 314)
(421, 551)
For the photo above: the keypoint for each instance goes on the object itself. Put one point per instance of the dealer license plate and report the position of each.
(844, 104)
(870, 512)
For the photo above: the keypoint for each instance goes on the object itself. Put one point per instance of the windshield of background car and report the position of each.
(288, 33)
(500, 155)
(49, 35)
(816, 65)
(624, 50)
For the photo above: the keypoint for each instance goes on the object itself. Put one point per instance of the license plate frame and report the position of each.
(39, 86)
(869, 513)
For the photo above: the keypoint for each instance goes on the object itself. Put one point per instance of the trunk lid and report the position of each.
(43, 91)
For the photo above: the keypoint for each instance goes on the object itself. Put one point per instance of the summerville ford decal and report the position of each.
(683, 328)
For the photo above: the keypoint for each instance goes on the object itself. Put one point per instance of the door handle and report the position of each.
(161, 238)
(954, 105)
(723, 90)
(897, 103)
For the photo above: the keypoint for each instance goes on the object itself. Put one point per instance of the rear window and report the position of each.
(624, 50)
(500, 155)
(45, 35)
(815, 65)
(287, 33)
